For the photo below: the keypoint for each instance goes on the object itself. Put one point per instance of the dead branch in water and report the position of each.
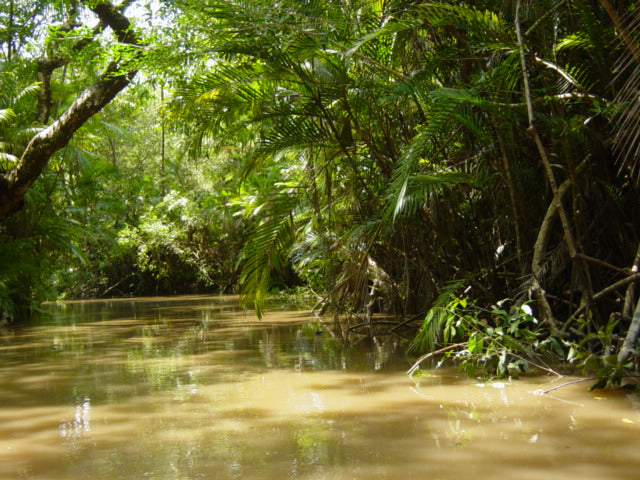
(566, 384)
(581, 380)
(415, 366)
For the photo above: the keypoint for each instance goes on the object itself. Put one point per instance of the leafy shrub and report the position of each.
(502, 341)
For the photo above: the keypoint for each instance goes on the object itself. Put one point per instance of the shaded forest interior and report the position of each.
(469, 165)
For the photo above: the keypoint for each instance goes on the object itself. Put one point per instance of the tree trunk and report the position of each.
(10, 33)
(631, 290)
(578, 264)
(15, 183)
(632, 336)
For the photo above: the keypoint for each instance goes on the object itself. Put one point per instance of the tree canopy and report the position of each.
(470, 163)
(15, 182)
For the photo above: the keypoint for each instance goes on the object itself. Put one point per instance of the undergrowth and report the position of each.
(504, 340)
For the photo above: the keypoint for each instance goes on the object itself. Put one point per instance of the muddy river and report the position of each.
(196, 388)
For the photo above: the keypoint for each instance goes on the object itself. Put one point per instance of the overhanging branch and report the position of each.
(15, 183)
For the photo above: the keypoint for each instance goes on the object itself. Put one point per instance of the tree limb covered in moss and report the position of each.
(15, 183)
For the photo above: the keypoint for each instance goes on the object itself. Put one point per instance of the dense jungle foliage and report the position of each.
(468, 166)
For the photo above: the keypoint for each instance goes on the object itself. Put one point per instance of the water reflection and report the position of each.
(194, 388)
(81, 423)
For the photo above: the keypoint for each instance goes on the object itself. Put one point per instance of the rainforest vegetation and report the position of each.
(467, 168)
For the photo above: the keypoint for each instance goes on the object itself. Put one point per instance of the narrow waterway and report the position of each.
(195, 388)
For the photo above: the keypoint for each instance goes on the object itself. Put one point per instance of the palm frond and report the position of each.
(491, 29)
(267, 248)
(626, 138)
(23, 135)
(7, 161)
(575, 41)
(294, 132)
(411, 186)
(25, 93)
(390, 27)
(431, 331)
(6, 114)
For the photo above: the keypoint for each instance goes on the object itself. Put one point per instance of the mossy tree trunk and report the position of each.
(15, 183)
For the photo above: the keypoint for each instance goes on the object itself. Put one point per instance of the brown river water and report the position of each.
(194, 388)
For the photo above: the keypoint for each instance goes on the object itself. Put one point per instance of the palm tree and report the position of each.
(398, 140)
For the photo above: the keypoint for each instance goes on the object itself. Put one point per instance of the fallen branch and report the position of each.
(581, 380)
(415, 366)
(566, 384)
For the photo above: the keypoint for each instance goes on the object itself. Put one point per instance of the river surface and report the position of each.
(195, 388)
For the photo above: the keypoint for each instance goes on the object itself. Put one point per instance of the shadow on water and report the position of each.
(104, 347)
(195, 388)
